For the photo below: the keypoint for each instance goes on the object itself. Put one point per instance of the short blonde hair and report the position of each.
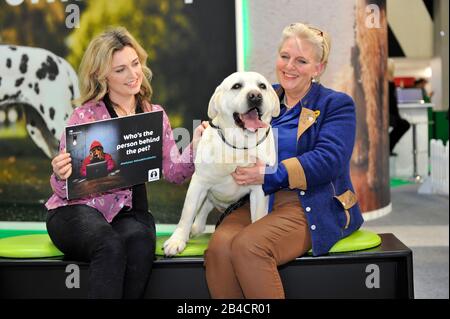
(319, 39)
(97, 61)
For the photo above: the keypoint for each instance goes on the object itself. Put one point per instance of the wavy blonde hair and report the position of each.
(97, 61)
(319, 39)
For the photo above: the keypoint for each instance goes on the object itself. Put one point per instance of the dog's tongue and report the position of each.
(252, 121)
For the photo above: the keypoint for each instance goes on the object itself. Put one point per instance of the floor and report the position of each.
(421, 223)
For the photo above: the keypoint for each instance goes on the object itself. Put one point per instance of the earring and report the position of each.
(313, 80)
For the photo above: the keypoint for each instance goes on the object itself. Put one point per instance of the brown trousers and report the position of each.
(242, 258)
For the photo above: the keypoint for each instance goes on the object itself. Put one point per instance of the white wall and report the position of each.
(412, 25)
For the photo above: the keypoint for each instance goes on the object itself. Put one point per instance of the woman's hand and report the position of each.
(62, 165)
(253, 175)
(198, 134)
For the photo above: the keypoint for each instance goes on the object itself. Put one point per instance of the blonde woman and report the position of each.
(312, 204)
(114, 231)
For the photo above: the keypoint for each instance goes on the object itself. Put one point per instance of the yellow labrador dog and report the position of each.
(240, 110)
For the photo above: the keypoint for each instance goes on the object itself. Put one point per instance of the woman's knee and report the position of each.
(111, 246)
(142, 241)
(219, 245)
(76, 229)
(139, 230)
(246, 246)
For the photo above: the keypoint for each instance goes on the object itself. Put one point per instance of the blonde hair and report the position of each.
(319, 39)
(97, 61)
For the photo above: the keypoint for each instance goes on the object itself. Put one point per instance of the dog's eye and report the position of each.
(262, 86)
(237, 86)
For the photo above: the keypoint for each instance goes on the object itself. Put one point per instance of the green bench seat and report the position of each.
(41, 246)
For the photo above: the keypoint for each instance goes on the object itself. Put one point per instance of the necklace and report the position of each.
(299, 101)
(122, 111)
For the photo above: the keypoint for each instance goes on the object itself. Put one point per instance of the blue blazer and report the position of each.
(320, 169)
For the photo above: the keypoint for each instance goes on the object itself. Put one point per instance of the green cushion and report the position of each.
(195, 246)
(19, 232)
(28, 246)
(41, 246)
(359, 240)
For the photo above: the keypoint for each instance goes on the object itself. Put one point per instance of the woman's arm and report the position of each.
(62, 162)
(176, 167)
(332, 151)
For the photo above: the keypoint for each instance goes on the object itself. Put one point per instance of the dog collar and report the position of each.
(219, 130)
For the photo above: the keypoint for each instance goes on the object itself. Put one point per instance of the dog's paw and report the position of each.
(197, 229)
(176, 243)
(173, 246)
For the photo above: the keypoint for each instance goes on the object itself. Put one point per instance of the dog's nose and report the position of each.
(254, 97)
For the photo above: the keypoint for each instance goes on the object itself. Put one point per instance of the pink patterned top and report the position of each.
(176, 167)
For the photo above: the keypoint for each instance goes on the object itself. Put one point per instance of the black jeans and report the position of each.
(399, 127)
(120, 253)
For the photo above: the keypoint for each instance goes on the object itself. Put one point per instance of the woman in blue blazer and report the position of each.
(312, 200)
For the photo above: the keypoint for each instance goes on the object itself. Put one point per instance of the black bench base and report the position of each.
(383, 272)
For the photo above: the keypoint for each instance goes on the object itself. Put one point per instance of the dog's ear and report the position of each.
(275, 102)
(214, 103)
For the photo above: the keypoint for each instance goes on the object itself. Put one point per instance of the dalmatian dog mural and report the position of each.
(44, 84)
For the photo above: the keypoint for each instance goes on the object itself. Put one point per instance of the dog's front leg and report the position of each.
(259, 204)
(195, 197)
(200, 220)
